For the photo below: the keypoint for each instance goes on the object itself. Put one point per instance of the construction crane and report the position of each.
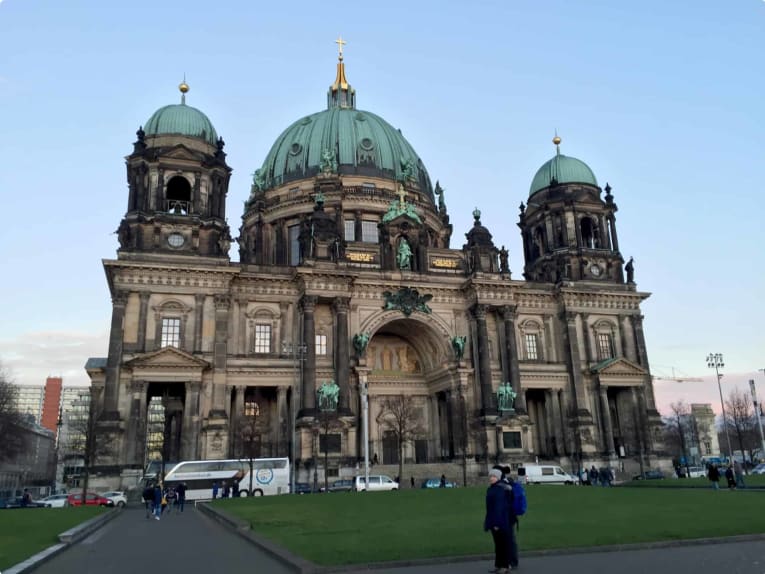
(677, 379)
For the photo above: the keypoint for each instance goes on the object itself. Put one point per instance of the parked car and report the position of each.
(759, 469)
(342, 485)
(436, 483)
(545, 474)
(117, 497)
(303, 488)
(56, 500)
(91, 499)
(377, 482)
(693, 472)
(649, 475)
(15, 502)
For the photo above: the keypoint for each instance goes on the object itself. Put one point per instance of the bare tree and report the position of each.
(14, 437)
(739, 418)
(677, 428)
(401, 417)
(250, 432)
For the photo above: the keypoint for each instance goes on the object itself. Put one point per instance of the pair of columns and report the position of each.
(510, 355)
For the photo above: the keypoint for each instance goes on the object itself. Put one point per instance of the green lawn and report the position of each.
(749, 480)
(25, 532)
(347, 528)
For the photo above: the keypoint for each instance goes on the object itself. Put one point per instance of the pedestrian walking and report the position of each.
(442, 484)
(497, 521)
(171, 496)
(181, 492)
(411, 481)
(157, 501)
(148, 499)
(215, 490)
(235, 488)
(226, 490)
(730, 477)
(714, 476)
(594, 476)
(738, 471)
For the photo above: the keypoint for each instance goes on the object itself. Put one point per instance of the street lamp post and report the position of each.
(297, 351)
(365, 425)
(757, 415)
(715, 361)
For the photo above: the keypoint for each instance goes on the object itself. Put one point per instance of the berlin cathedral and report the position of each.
(348, 275)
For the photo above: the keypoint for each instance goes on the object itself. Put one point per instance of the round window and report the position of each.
(367, 144)
(175, 240)
(295, 148)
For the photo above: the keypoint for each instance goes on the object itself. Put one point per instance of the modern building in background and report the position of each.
(347, 273)
(33, 468)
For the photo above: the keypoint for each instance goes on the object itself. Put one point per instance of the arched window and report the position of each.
(590, 232)
(604, 333)
(178, 195)
(532, 340)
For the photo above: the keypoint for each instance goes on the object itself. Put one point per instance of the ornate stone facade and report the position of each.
(321, 293)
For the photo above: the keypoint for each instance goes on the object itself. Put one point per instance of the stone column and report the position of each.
(639, 401)
(190, 418)
(241, 390)
(342, 353)
(614, 239)
(435, 424)
(136, 421)
(511, 344)
(575, 364)
(199, 306)
(551, 435)
(558, 425)
(142, 314)
(282, 440)
(113, 361)
(242, 316)
(484, 365)
(308, 304)
(220, 352)
(642, 354)
(587, 333)
(608, 429)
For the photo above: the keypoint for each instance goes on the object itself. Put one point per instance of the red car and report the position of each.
(91, 499)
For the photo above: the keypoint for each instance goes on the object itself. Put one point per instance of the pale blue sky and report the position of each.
(662, 99)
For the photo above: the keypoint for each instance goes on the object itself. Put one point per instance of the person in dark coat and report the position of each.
(714, 476)
(442, 484)
(730, 477)
(497, 521)
(157, 501)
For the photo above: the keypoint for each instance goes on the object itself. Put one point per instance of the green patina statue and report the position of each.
(407, 300)
(404, 256)
(458, 344)
(360, 342)
(506, 397)
(328, 163)
(397, 208)
(328, 394)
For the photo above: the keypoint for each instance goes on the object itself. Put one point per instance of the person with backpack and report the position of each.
(148, 499)
(497, 521)
(516, 499)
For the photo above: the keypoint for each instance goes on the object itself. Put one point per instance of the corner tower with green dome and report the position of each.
(178, 180)
(569, 232)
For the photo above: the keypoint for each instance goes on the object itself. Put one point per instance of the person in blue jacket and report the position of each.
(497, 521)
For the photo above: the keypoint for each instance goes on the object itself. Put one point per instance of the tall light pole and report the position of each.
(757, 415)
(365, 425)
(715, 361)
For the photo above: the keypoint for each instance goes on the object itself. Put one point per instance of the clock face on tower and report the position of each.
(595, 270)
(175, 240)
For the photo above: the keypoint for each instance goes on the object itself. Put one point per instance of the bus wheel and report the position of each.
(257, 492)
(243, 494)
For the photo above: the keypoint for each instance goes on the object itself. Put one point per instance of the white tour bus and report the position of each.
(269, 476)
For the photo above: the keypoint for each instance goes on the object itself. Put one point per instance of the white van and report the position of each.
(377, 482)
(545, 474)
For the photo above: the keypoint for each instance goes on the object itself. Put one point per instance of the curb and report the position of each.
(66, 539)
(275, 551)
(303, 566)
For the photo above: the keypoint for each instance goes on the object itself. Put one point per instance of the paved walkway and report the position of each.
(180, 543)
(734, 558)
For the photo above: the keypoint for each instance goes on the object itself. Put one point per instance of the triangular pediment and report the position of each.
(167, 358)
(181, 152)
(618, 368)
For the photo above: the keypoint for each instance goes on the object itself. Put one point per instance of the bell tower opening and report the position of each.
(178, 195)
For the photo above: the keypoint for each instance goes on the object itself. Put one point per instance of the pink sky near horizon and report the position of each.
(706, 391)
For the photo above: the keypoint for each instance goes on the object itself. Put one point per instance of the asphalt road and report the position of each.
(734, 558)
(187, 543)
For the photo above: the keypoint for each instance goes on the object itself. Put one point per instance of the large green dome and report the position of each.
(562, 169)
(353, 142)
(180, 119)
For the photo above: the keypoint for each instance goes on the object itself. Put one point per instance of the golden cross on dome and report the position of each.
(340, 43)
(401, 195)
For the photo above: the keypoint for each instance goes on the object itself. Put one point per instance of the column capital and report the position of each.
(199, 297)
(241, 388)
(569, 316)
(120, 297)
(308, 303)
(341, 304)
(479, 311)
(508, 312)
(144, 296)
(193, 387)
(637, 319)
(222, 301)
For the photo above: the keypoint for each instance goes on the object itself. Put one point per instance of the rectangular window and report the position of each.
(321, 345)
(369, 231)
(171, 333)
(262, 338)
(511, 439)
(605, 347)
(294, 232)
(329, 442)
(251, 408)
(532, 353)
(368, 185)
(707, 447)
(350, 230)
